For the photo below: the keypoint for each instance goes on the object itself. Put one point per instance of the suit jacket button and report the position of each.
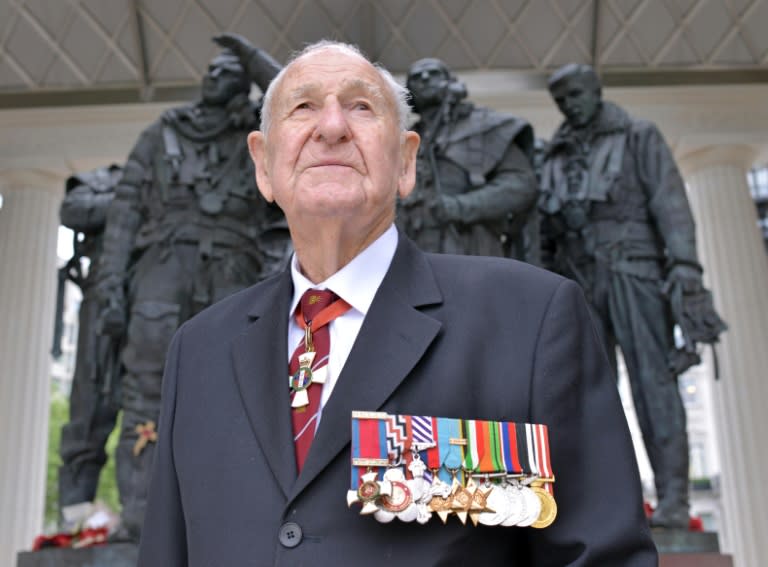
(290, 534)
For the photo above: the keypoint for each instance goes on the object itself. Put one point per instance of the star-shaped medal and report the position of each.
(443, 506)
(479, 501)
(462, 501)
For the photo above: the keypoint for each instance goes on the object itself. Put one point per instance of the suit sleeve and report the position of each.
(163, 537)
(600, 519)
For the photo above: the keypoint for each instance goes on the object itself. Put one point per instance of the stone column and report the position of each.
(28, 229)
(736, 269)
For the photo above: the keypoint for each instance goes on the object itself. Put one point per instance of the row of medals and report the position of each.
(508, 500)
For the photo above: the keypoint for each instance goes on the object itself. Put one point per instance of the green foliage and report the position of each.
(59, 414)
(107, 490)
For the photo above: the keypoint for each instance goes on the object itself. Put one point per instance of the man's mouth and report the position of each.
(330, 164)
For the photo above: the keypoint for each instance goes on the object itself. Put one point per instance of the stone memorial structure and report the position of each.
(187, 227)
(616, 219)
(475, 188)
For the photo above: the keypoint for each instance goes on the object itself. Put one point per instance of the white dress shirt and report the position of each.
(357, 284)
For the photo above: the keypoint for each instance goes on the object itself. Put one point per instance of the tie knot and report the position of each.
(315, 300)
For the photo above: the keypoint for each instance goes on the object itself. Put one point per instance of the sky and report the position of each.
(64, 245)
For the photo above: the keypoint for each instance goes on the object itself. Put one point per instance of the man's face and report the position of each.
(578, 98)
(224, 80)
(334, 148)
(427, 82)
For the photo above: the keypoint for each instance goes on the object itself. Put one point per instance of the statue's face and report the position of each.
(427, 82)
(225, 79)
(578, 98)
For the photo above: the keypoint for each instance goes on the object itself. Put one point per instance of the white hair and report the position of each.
(399, 92)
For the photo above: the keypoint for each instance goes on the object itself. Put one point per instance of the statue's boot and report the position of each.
(672, 509)
(77, 484)
(666, 442)
(132, 481)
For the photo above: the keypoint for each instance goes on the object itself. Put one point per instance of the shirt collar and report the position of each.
(358, 281)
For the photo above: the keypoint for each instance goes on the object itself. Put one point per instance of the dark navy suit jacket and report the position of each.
(453, 336)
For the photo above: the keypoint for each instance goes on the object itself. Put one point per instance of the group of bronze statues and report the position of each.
(182, 225)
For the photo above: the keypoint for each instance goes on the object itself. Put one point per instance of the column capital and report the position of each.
(739, 155)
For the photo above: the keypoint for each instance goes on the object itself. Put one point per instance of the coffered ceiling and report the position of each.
(60, 52)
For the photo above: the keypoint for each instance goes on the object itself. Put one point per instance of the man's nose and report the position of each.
(332, 126)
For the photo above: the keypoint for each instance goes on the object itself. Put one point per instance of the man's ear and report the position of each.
(258, 149)
(409, 149)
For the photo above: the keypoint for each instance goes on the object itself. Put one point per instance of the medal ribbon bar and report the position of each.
(407, 467)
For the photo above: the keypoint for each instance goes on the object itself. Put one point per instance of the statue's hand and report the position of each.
(235, 43)
(413, 200)
(445, 209)
(686, 276)
(112, 319)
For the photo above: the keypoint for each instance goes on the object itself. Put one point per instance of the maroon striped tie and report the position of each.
(312, 317)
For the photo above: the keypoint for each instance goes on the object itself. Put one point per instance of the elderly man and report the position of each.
(253, 468)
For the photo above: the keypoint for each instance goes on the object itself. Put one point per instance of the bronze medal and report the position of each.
(479, 503)
(548, 508)
(442, 505)
(462, 502)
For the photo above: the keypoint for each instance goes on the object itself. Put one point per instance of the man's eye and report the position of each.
(361, 105)
(302, 106)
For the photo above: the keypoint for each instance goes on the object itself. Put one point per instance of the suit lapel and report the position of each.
(394, 336)
(260, 356)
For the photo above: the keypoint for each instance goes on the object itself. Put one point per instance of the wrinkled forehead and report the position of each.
(332, 68)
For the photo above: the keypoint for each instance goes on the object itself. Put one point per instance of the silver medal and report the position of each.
(399, 503)
(517, 506)
(532, 506)
(498, 502)
(420, 489)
